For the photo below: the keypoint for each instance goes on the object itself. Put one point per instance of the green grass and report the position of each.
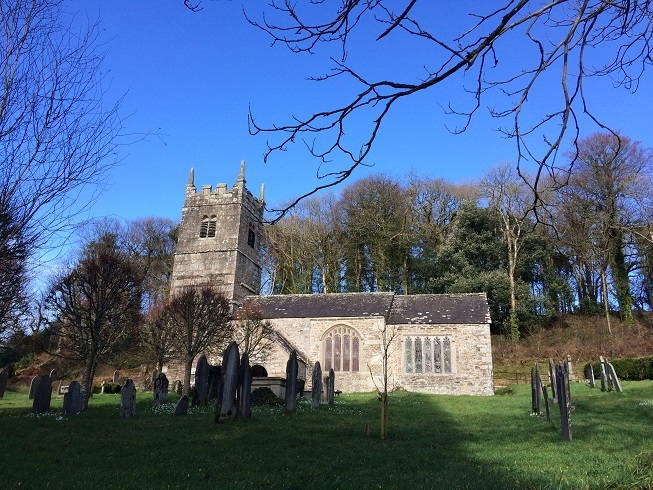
(435, 442)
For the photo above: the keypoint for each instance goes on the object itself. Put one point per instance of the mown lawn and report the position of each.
(435, 442)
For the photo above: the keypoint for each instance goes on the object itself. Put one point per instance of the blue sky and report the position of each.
(190, 78)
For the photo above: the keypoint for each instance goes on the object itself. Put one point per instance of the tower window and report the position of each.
(251, 238)
(207, 226)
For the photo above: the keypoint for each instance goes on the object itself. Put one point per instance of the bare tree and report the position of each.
(200, 321)
(387, 336)
(253, 334)
(57, 135)
(94, 308)
(563, 45)
(156, 336)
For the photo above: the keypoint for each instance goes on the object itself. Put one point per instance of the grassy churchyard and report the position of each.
(435, 442)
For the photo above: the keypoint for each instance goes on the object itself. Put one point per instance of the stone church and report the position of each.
(436, 343)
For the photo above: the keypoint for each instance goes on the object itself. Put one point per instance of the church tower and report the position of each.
(220, 239)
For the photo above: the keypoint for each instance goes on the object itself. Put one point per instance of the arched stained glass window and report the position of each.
(341, 349)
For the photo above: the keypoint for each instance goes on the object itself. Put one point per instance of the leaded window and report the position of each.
(428, 354)
(341, 349)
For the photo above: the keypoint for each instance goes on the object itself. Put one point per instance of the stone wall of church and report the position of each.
(470, 351)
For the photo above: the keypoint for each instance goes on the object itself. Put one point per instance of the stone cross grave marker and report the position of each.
(202, 379)
(292, 368)
(3, 382)
(128, 399)
(225, 406)
(42, 396)
(316, 390)
(181, 408)
(245, 388)
(564, 401)
(72, 399)
(160, 390)
(32, 387)
(332, 387)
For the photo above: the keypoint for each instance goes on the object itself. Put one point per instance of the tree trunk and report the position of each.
(86, 388)
(384, 416)
(188, 364)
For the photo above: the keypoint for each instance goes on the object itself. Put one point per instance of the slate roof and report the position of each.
(396, 309)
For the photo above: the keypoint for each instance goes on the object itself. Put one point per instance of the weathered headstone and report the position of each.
(72, 399)
(570, 373)
(332, 387)
(545, 392)
(53, 375)
(202, 379)
(116, 377)
(536, 390)
(128, 399)
(291, 383)
(604, 383)
(225, 406)
(42, 396)
(215, 378)
(104, 387)
(160, 390)
(612, 376)
(181, 408)
(591, 375)
(32, 387)
(177, 387)
(564, 401)
(3, 382)
(245, 388)
(552, 379)
(316, 390)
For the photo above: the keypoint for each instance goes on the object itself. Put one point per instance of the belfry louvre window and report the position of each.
(207, 226)
(428, 354)
(341, 349)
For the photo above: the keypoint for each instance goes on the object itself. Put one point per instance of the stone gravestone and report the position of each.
(160, 390)
(42, 396)
(316, 390)
(128, 399)
(176, 387)
(72, 399)
(536, 390)
(181, 408)
(591, 375)
(32, 387)
(545, 392)
(564, 401)
(604, 384)
(202, 379)
(53, 375)
(612, 376)
(292, 368)
(215, 378)
(552, 380)
(226, 404)
(245, 388)
(116, 377)
(3, 382)
(332, 387)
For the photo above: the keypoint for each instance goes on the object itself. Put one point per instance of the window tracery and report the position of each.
(341, 349)
(428, 354)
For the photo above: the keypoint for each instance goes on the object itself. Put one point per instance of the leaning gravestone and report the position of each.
(226, 403)
(42, 396)
(202, 379)
(332, 387)
(536, 390)
(316, 390)
(3, 382)
(116, 377)
(160, 390)
(604, 383)
(181, 408)
(32, 387)
(612, 376)
(292, 368)
(72, 399)
(564, 401)
(128, 399)
(245, 388)
(591, 375)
